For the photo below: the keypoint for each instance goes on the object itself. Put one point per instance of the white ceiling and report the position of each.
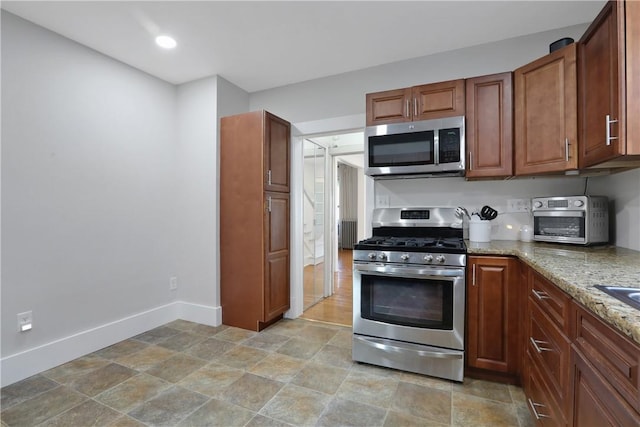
(265, 44)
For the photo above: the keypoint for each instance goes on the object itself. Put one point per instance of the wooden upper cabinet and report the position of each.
(276, 153)
(546, 131)
(391, 106)
(430, 101)
(489, 126)
(438, 100)
(609, 85)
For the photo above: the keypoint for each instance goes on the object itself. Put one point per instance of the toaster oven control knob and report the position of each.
(382, 256)
(428, 258)
(538, 204)
(404, 257)
(578, 203)
(440, 258)
(372, 255)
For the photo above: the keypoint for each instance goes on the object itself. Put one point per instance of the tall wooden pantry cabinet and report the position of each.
(254, 219)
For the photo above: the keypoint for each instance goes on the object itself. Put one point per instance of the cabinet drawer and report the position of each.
(551, 299)
(550, 348)
(543, 407)
(614, 356)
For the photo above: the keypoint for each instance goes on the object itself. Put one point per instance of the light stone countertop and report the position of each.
(576, 270)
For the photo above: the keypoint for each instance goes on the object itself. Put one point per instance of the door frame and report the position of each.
(300, 131)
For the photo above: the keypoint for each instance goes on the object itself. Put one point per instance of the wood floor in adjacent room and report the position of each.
(338, 308)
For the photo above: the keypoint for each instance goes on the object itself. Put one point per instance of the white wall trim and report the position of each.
(26, 363)
(198, 313)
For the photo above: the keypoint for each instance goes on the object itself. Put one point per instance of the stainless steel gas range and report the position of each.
(409, 292)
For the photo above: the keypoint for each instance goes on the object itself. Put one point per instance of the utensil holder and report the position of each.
(480, 231)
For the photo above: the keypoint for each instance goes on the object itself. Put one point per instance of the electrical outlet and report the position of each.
(25, 321)
(173, 283)
(382, 201)
(518, 205)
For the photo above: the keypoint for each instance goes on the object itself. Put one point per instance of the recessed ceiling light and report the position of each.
(166, 42)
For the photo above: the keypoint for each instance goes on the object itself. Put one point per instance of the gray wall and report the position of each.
(344, 94)
(88, 186)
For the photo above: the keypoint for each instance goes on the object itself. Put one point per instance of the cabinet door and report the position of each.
(599, 88)
(391, 106)
(595, 403)
(437, 100)
(546, 133)
(276, 153)
(276, 289)
(492, 310)
(489, 128)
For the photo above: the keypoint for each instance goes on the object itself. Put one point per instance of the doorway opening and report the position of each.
(327, 274)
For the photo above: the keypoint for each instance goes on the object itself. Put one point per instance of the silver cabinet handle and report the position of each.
(470, 160)
(608, 129)
(473, 275)
(415, 107)
(533, 406)
(538, 343)
(269, 177)
(408, 109)
(269, 203)
(539, 294)
(566, 149)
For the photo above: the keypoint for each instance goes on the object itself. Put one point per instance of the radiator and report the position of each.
(348, 234)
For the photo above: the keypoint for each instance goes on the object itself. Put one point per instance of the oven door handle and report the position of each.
(388, 348)
(413, 272)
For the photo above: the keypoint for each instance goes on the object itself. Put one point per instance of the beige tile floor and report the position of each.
(296, 372)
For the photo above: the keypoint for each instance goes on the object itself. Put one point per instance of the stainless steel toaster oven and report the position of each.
(580, 220)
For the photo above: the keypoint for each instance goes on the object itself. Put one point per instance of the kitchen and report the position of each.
(337, 104)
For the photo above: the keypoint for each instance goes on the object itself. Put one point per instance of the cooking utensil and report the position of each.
(488, 213)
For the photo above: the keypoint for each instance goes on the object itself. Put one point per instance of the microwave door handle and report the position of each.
(436, 147)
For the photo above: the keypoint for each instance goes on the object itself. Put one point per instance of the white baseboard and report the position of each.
(22, 365)
(204, 314)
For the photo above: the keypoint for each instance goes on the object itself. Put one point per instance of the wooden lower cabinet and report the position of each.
(595, 402)
(578, 371)
(606, 372)
(493, 318)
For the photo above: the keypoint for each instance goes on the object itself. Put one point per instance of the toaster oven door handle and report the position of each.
(413, 272)
(560, 213)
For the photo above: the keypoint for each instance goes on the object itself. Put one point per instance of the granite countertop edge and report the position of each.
(576, 270)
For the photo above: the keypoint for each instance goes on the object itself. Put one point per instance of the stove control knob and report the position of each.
(382, 256)
(428, 258)
(538, 204)
(404, 257)
(440, 258)
(578, 203)
(372, 255)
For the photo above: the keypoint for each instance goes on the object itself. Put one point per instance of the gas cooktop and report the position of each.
(413, 244)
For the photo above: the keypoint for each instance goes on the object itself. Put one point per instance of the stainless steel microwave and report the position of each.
(427, 147)
(581, 220)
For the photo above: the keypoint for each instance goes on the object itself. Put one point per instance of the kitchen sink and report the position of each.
(630, 296)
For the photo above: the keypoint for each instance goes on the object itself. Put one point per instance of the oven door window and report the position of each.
(416, 148)
(407, 302)
(561, 226)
